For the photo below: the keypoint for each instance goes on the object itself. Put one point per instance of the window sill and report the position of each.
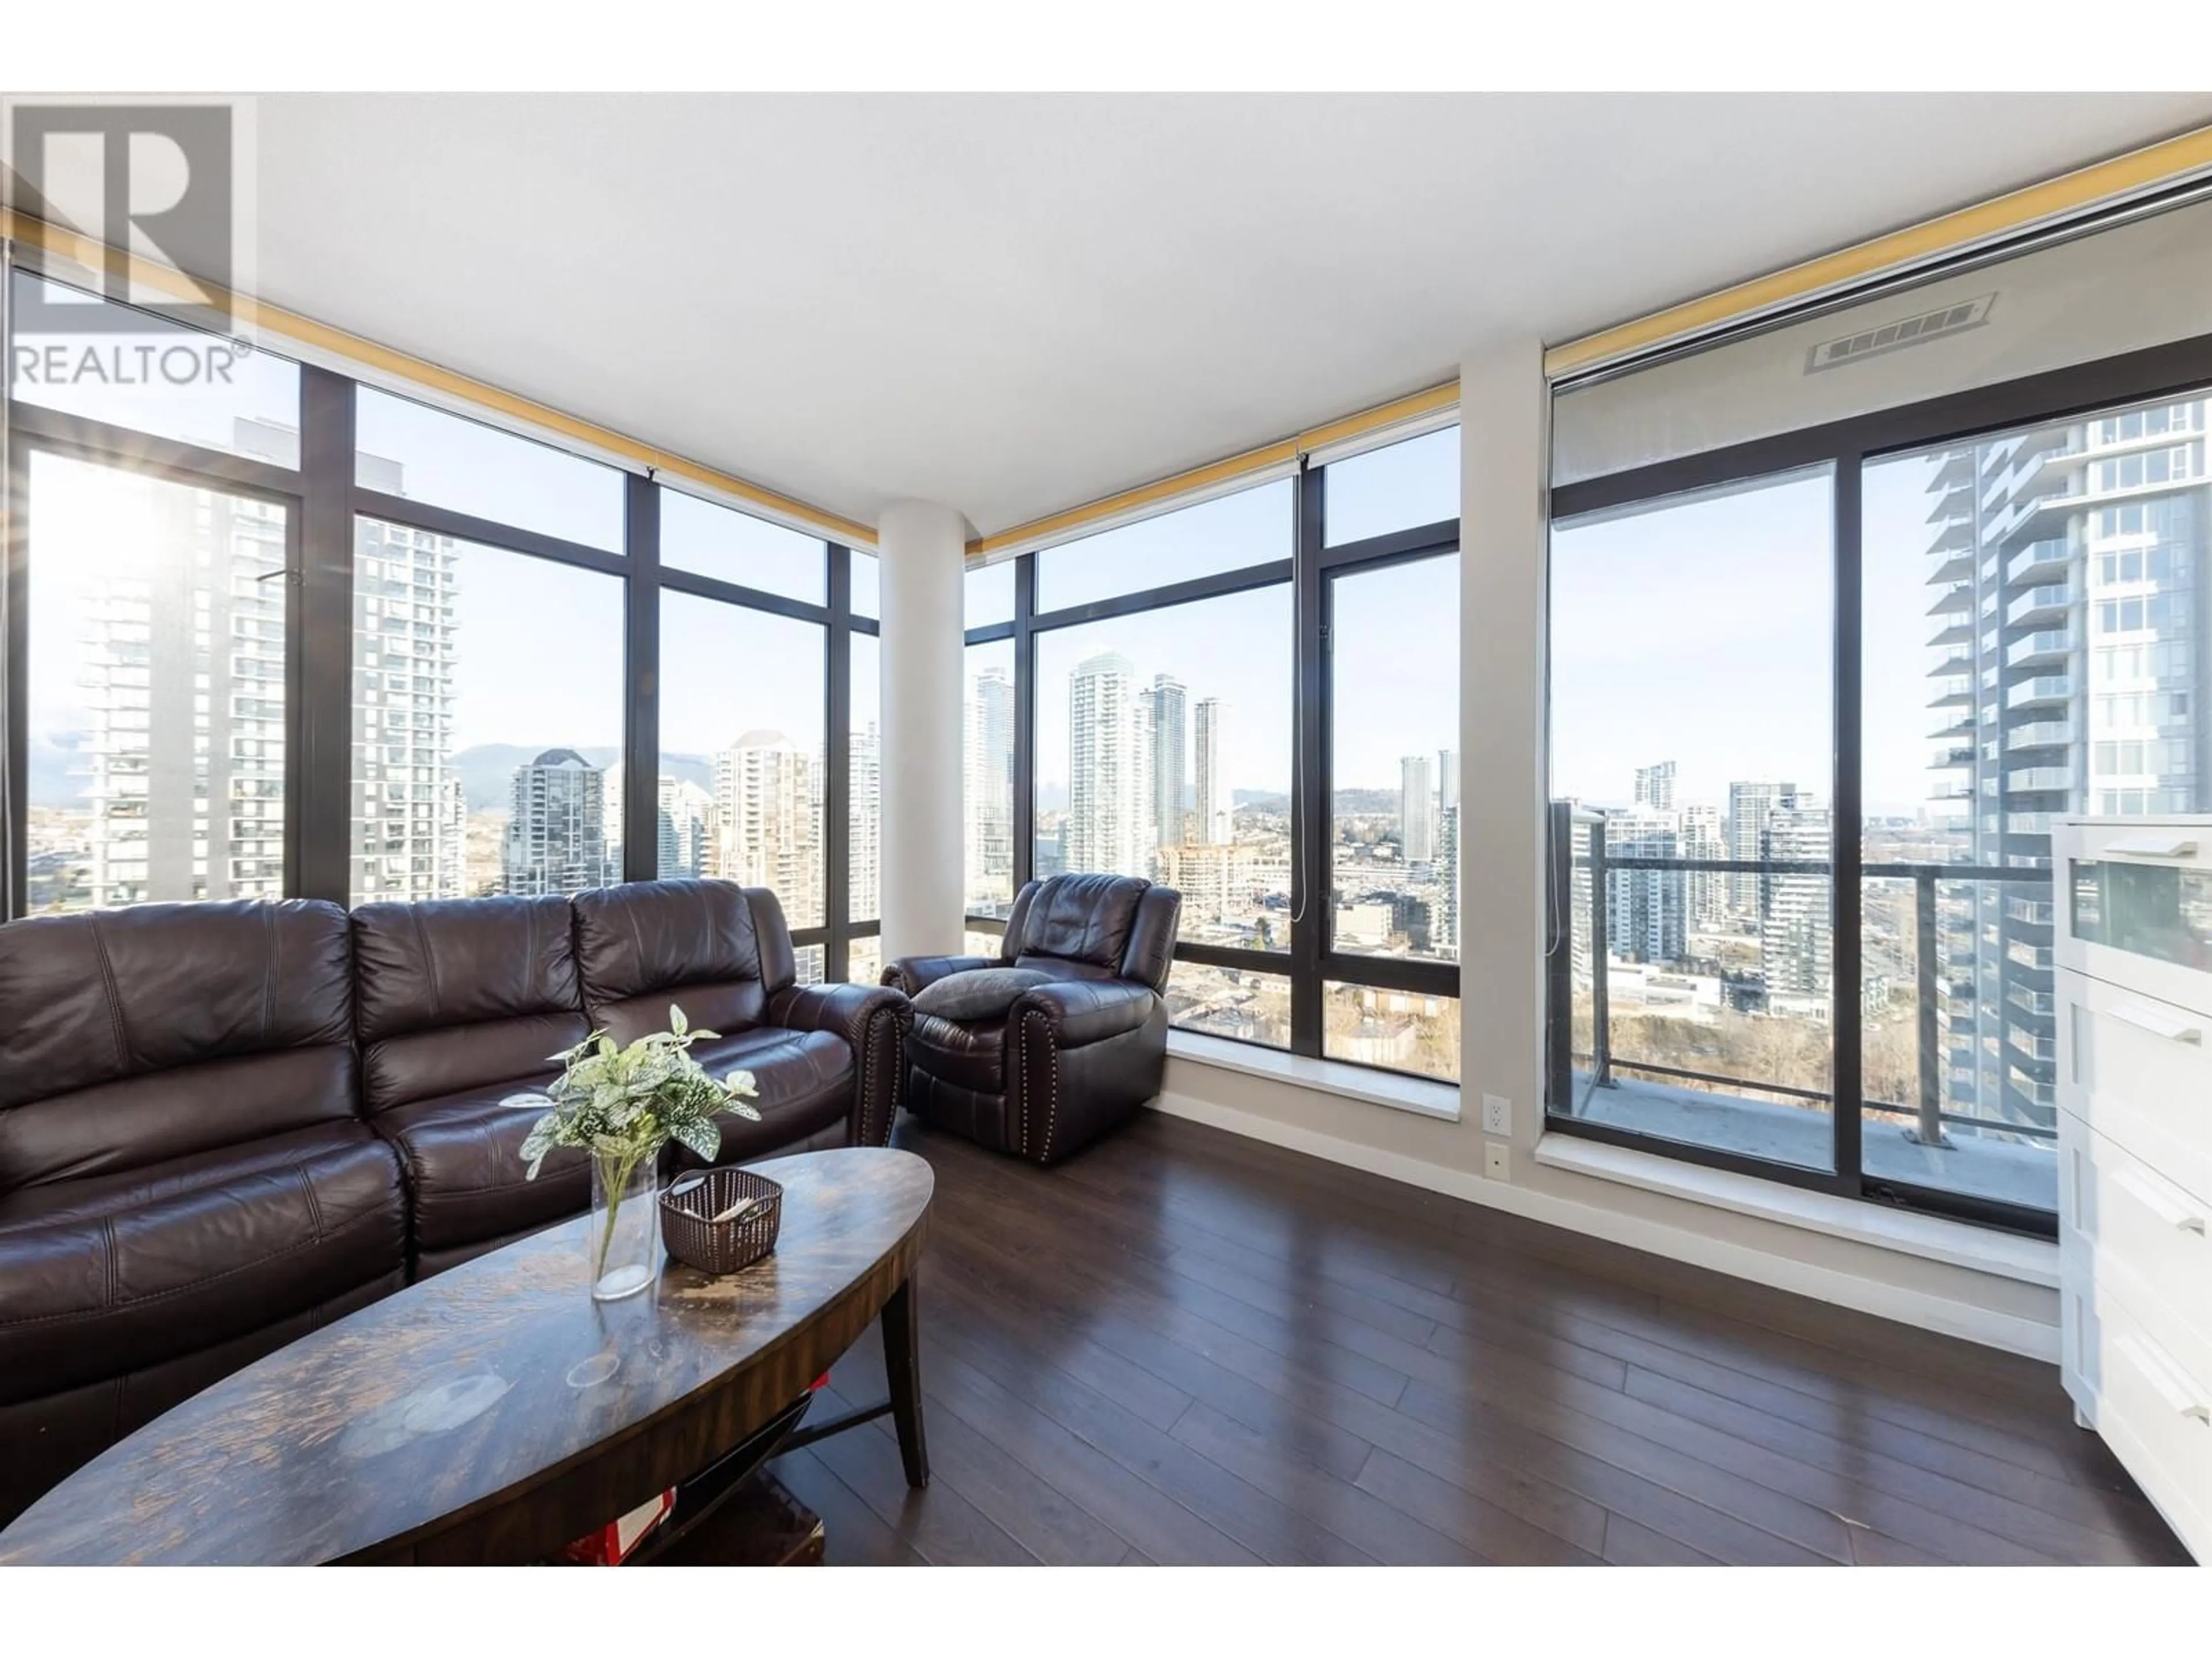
(1984, 1250)
(1333, 1077)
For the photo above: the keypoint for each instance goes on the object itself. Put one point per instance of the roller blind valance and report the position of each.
(2142, 283)
(1371, 429)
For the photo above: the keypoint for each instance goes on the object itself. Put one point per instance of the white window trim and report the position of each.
(1423, 1096)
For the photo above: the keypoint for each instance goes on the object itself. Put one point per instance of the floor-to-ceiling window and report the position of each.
(1252, 699)
(158, 680)
(282, 634)
(1811, 727)
(1691, 775)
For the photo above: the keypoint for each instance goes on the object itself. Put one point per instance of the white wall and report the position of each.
(1502, 700)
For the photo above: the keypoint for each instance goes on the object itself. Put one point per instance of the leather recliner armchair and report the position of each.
(1068, 1058)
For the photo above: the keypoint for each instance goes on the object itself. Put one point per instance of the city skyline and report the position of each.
(1152, 791)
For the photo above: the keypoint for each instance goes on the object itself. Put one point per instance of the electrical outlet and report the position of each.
(1497, 1115)
(1497, 1161)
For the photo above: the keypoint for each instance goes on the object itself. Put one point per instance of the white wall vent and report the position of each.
(1893, 336)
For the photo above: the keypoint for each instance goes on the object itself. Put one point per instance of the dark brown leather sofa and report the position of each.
(459, 1004)
(824, 1057)
(223, 1125)
(1069, 1059)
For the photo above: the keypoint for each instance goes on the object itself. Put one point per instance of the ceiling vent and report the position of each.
(1895, 337)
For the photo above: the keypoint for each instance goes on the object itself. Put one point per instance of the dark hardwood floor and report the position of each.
(1185, 1347)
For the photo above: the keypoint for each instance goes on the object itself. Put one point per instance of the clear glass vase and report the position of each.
(623, 1243)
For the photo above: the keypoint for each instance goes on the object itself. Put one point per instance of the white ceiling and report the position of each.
(1013, 304)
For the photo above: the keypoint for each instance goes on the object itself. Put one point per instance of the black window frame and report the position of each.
(323, 502)
(1847, 446)
(1309, 569)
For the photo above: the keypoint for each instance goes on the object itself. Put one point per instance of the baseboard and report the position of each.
(2011, 1333)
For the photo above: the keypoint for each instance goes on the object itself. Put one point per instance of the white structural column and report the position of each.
(922, 547)
(1502, 409)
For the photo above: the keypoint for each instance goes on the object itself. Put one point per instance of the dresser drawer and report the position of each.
(2138, 1071)
(2145, 1240)
(2156, 1417)
(2136, 904)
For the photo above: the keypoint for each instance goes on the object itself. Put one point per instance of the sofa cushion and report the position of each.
(114, 1273)
(462, 995)
(443, 962)
(713, 948)
(140, 1036)
(462, 1155)
(1083, 920)
(979, 993)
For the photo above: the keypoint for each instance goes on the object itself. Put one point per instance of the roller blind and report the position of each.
(2134, 285)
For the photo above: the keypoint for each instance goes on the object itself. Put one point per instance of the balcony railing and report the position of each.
(1603, 866)
(2051, 599)
(2040, 734)
(2044, 645)
(2043, 688)
(2049, 556)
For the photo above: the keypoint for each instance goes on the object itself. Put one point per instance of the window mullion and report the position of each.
(319, 725)
(1025, 707)
(837, 769)
(1845, 989)
(1311, 815)
(641, 682)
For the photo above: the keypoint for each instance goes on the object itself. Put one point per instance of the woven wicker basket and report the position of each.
(693, 1238)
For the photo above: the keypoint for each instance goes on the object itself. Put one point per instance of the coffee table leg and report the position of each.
(903, 1366)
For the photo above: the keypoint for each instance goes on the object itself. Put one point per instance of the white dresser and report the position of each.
(2134, 972)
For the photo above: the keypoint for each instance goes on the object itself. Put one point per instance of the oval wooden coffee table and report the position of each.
(493, 1412)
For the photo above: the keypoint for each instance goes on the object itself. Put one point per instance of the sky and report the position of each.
(1697, 633)
(1701, 630)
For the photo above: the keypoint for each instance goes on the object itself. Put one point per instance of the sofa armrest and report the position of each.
(845, 1010)
(1080, 1011)
(911, 973)
(873, 1020)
